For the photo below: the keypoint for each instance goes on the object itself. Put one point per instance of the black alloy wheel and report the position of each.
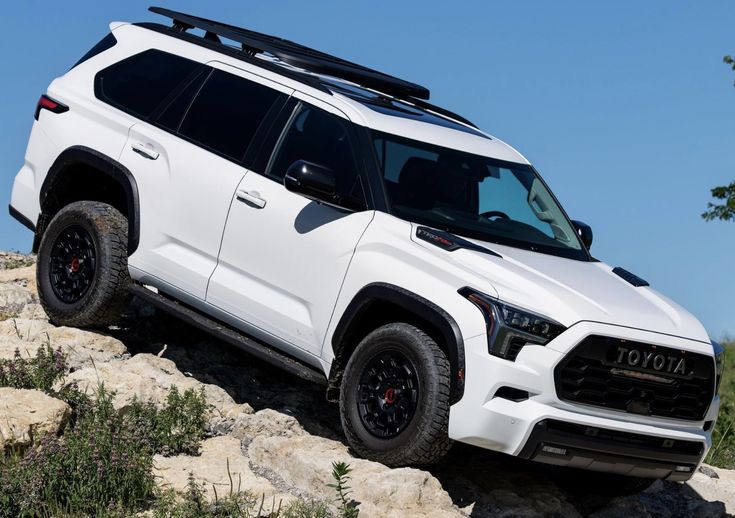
(82, 267)
(72, 264)
(394, 397)
(388, 394)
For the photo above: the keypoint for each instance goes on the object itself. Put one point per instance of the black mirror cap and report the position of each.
(311, 179)
(585, 233)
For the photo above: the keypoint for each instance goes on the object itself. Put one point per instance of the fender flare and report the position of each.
(105, 165)
(418, 306)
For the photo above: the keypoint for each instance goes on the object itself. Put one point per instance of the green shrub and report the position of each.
(38, 372)
(192, 503)
(176, 428)
(102, 465)
(97, 467)
(18, 262)
(722, 453)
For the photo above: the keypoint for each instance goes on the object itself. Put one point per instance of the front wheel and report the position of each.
(82, 267)
(394, 400)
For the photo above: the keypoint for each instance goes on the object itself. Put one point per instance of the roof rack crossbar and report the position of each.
(297, 55)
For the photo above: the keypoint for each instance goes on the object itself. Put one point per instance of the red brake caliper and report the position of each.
(390, 396)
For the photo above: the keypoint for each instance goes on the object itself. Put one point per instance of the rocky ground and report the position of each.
(279, 436)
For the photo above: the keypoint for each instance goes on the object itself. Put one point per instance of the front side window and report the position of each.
(140, 83)
(322, 138)
(227, 112)
(474, 196)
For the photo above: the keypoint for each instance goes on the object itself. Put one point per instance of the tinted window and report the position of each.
(171, 115)
(474, 196)
(227, 112)
(105, 43)
(140, 83)
(320, 137)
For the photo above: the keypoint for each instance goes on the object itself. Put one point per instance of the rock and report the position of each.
(305, 462)
(150, 378)
(708, 470)
(720, 487)
(13, 299)
(26, 416)
(33, 311)
(266, 423)
(83, 348)
(210, 470)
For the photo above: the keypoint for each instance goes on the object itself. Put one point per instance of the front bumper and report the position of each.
(520, 425)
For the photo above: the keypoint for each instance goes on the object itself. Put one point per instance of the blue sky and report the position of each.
(624, 107)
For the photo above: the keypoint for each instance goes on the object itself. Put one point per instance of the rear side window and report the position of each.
(105, 43)
(227, 112)
(142, 82)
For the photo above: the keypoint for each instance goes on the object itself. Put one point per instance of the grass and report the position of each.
(722, 453)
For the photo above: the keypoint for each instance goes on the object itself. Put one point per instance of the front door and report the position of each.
(284, 256)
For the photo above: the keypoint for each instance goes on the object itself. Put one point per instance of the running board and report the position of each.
(231, 336)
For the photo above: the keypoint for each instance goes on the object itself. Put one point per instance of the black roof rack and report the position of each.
(295, 54)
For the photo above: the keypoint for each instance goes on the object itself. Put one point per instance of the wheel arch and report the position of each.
(381, 303)
(81, 173)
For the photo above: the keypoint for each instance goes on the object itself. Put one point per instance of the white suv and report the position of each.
(326, 218)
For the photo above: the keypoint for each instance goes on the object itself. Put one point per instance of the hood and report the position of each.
(571, 291)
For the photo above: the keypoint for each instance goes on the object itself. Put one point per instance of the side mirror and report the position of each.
(585, 233)
(311, 179)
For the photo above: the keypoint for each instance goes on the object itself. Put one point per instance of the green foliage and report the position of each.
(97, 467)
(102, 465)
(724, 211)
(192, 503)
(39, 372)
(722, 453)
(18, 262)
(176, 428)
(340, 474)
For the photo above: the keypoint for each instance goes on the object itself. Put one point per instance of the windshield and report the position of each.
(474, 196)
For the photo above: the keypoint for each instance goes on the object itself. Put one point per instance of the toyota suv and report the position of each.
(327, 218)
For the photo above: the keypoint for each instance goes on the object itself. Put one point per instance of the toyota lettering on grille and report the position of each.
(651, 360)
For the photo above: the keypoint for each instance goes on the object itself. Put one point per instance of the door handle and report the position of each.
(253, 198)
(145, 150)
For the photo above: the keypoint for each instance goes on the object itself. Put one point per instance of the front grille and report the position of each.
(637, 378)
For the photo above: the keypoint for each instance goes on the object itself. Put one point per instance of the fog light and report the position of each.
(685, 469)
(555, 451)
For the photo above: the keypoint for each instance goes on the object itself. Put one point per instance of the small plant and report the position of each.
(192, 503)
(98, 467)
(18, 262)
(176, 428)
(39, 372)
(340, 474)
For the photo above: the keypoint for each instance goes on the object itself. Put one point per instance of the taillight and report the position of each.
(47, 103)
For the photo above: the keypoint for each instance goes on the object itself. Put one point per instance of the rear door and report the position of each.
(188, 159)
(284, 256)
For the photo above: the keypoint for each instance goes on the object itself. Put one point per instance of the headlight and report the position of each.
(510, 328)
(719, 364)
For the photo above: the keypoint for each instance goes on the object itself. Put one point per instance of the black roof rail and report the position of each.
(295, 54)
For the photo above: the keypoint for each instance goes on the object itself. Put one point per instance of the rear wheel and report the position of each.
(394, 400)
(82, 267)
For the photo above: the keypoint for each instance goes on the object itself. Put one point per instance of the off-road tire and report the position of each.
(424, 441)
(106, 295)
